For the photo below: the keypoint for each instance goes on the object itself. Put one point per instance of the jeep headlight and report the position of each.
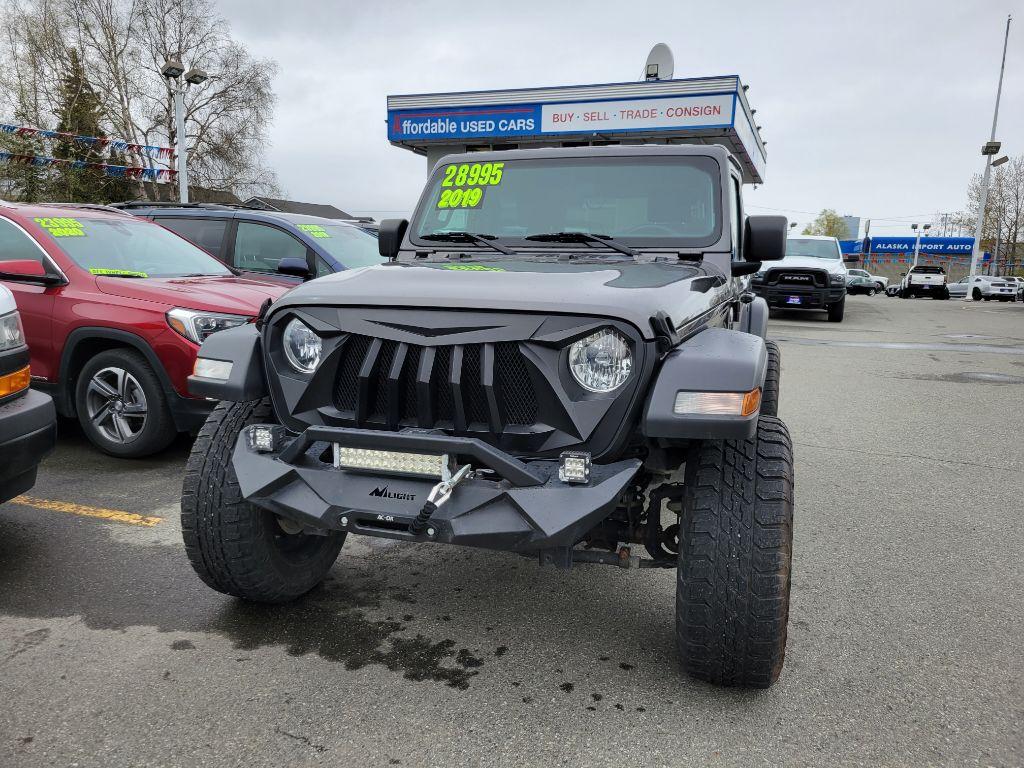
(302, 346)
(197, 326)
(838, 278)
(601, 362)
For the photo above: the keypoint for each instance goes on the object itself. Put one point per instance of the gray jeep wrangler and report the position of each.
(560, 358)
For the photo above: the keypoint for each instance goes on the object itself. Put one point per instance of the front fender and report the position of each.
(715, 360)
(247, 380)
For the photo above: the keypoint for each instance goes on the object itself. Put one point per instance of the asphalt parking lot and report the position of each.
(905, 635)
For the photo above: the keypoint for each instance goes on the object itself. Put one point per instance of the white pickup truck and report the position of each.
(924, 280)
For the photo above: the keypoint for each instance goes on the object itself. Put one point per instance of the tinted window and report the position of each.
(260, 248)
(128, 247)
(664, 201)
(349, 246)
(16, 245)
(208, 234)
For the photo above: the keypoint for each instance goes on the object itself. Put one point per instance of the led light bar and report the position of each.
(389, 462)
(212, 369)
(717, 403)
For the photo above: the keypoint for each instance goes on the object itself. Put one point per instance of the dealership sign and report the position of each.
(653, 114)
(929, 245)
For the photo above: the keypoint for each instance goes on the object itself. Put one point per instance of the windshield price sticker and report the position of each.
(460, 198)
(314, 230)
(473, 175)
(116, 272)
(61, 227)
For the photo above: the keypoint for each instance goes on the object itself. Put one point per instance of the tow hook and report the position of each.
(437, 497)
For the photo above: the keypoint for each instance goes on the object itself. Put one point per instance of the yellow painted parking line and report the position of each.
(116, 515)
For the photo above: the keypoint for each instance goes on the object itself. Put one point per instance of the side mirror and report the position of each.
(27, 271)
(764, 238)
(294, 267)
(390, 236)
(741, 268)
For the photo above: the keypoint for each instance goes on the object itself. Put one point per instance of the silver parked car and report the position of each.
(985, 287)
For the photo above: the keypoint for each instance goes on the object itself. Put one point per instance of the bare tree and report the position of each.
(1003, 223)
(123, 44)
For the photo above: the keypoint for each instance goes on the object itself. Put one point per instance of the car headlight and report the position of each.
(302, 346)
(12, 333)
(196, 326)
(838, 279)
(601, 362)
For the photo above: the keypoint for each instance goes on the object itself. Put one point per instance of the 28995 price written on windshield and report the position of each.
(463, 184)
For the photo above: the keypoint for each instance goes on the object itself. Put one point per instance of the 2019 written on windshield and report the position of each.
(462, 186)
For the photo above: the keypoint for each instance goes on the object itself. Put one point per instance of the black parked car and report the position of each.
(559, 359)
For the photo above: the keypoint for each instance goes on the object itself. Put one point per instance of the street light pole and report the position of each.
(990, 149)
(179, 129)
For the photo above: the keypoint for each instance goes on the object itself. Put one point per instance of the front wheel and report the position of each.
(772, 380)
(871, 291)
(121, 405)
(236, 547)
(735, 554)
(836, 311)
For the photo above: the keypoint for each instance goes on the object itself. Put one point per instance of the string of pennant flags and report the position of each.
(114, 171)
(101, 142)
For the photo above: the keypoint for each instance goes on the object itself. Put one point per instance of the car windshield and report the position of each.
(125, 247)
(639, 201)
(351, 246)
(815, 249)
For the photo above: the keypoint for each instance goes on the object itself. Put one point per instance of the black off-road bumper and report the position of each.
(28, 431)
(779, 297)
(519, 506)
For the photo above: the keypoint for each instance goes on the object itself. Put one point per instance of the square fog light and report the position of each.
(265, 438)
(574, 467)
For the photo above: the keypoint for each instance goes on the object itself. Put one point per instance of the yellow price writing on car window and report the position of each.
(314, 230)
(473, 175)
(460, 198)
(61, 226)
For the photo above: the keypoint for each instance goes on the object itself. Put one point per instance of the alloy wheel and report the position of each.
(116, 404)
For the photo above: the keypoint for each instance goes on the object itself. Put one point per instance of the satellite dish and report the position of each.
(660, 64)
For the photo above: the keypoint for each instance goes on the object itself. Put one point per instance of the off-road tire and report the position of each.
(836, 311)
(236, 547)
(159, 430)
(772, 381)
(735, 553)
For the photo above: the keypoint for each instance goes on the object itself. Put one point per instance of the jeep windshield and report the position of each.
(125, 247)
(554, 202)
(814, 249)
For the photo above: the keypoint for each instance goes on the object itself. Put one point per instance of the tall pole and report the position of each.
(917, 246)
(179, 127)
(988, 165)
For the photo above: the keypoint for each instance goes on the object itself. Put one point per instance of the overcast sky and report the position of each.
(876, 109)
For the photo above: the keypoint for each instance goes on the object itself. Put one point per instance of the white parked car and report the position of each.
(1019, 283)
(924, 280)
(985, 287)
(882, 282)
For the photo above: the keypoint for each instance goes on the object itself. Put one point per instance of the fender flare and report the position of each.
(714, 360)
(242, 347)
(754, 317)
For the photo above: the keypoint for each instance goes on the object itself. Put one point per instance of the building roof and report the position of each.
(293, 206)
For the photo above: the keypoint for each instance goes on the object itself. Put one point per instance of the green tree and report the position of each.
(18, 181)
(79, 111)
(828, 223)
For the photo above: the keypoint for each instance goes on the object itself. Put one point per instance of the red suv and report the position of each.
(114, 309)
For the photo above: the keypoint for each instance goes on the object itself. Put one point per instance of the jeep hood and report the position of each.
(624, 290)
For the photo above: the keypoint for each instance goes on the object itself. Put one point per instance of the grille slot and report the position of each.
(513, 391)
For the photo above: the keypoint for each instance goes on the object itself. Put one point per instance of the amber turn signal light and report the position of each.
(15, 382)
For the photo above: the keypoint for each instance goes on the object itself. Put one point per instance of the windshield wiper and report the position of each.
(468, 237)
(582, 237)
